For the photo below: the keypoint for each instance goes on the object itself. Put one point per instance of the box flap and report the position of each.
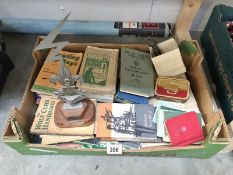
(14, 131)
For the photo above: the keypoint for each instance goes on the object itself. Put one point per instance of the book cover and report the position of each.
(42, 85)
(125, 122)
(218, 48)
(170, 114)
(99, 70)
(146, 129)
(44, 121)
(184, 129)
(136, 73)
(124, 97)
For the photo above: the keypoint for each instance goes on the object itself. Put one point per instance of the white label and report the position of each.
(114, 149)
(129, 25)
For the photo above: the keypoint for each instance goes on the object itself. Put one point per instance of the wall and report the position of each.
(104, 10)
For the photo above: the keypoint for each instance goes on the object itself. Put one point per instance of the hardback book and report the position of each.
(126, 122)
(218, 48)
(123, 97)
(184, 129)
(44, 121)
(167, 114)
(136, 73)
(42, 84)
(99, 70)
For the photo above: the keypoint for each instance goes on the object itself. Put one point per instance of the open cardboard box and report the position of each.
(17, 134)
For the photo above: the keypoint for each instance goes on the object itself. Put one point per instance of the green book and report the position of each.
(136, 73)
(99, 71)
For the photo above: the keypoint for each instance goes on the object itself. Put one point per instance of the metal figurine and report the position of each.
(68, 112)
(69, 93)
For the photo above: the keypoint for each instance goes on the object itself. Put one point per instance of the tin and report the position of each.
(171, 88)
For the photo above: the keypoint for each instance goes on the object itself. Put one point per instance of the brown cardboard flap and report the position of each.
(8, 131)
(16, 126)
(28, 98)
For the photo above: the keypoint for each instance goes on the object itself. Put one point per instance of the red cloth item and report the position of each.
(184, 129)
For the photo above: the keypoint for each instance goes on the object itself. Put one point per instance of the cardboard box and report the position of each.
(17, 134)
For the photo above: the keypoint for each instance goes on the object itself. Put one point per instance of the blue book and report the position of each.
(123, 97)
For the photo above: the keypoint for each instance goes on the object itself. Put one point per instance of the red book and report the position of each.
(184, 129)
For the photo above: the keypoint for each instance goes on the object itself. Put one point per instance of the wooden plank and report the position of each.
(187, 13)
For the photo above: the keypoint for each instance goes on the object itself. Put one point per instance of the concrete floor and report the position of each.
(11, 162)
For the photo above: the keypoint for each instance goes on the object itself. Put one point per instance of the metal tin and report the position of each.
(172, 88)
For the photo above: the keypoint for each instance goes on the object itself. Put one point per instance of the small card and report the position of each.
(115, 149)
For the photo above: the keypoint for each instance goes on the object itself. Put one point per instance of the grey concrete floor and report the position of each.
(11, 162)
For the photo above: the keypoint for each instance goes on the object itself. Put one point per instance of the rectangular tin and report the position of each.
(172, 88)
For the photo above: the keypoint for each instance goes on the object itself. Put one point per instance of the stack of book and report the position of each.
(99, 71)
(126, 122)
(136, 77)
(129, 111)
(45, 126)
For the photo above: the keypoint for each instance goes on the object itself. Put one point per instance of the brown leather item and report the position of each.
(68, 118)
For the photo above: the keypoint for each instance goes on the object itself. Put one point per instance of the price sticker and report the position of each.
(114, 149)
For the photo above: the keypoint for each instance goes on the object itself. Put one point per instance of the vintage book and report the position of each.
(184, 129)
(189, 105)
(126, 122)
(167, 113)
(136, 73)
(42, 85)
(218, 48)
(123, 97)
(169, 63)
(99, 70)
(44, 121)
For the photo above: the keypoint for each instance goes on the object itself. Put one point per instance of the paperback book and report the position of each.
(99, 71)
(44, 121)
(42, 84)
(126, 122)
(136, 73)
